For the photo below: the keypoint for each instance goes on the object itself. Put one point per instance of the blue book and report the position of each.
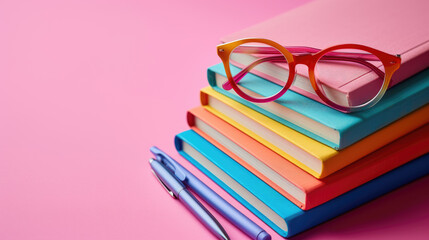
(274, 209)
(322, 123)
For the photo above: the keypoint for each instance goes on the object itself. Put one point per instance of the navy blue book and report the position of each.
(273, 208)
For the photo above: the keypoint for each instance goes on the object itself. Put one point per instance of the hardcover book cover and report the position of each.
(314, 157)
(322, 123)
(395, 27)
(299, 187)
(273, 208)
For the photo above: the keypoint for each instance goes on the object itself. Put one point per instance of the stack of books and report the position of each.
(296, 162)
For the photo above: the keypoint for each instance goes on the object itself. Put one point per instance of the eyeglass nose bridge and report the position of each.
(307, 59)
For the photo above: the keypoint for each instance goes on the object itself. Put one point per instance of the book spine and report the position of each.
(211, 77)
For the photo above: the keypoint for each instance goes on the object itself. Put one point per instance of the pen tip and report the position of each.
(223, 235)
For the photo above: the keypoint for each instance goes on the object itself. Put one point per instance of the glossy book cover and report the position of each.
(310, 155)
(273, 208)
(322, 123)
(298, 186)
(395, 27)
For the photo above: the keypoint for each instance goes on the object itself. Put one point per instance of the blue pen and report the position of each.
(246, 225)
(177, 190)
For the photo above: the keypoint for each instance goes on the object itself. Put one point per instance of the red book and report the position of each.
(295, 184)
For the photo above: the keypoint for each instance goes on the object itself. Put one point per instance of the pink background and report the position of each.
(86, 87)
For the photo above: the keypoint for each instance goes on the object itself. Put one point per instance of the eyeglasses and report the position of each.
(347, 77)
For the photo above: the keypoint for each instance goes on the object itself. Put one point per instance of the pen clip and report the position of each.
(169, 162)
(165, 186)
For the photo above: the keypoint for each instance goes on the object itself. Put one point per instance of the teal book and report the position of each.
(322, 123)
(273, 208)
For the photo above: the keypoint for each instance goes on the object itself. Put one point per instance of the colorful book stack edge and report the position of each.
(296, 162)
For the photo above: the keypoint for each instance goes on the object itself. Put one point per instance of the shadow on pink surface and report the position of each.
(384, 214)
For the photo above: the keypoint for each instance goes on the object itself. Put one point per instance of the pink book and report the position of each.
(395, 27)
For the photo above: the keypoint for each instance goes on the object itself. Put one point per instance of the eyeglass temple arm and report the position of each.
(280, 58)
(356, 60)
(363, 56)
(302, 49)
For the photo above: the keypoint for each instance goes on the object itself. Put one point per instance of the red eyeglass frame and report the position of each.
(309, 56)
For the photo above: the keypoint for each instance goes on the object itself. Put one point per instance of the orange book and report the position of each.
(294, 183)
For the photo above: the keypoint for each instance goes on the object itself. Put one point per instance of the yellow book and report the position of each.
(312, 156)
